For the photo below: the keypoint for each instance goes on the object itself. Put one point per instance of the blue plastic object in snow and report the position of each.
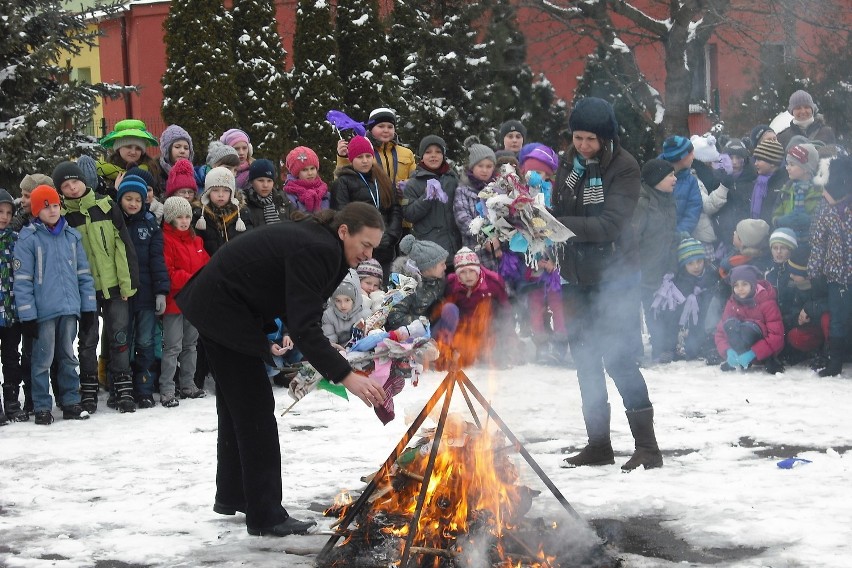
(790, 463)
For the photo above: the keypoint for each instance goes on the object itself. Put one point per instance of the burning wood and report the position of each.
(473, 512)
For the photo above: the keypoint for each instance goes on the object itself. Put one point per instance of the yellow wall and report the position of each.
(86, 66)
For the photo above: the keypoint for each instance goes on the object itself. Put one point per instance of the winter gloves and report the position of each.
(159, 304)
(667, 297)
(434, 191)
(740, 360)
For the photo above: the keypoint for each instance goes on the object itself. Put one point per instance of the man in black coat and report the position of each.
(287, 271)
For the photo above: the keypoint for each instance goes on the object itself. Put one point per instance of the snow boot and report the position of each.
(74, 412)
(123, 385)
(43, 418)
(12, 406)
(89, 392)
(599, 449)
(835, 357)
(647, 452)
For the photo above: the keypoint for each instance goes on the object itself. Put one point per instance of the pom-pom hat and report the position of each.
(181, 176)
(425, 254)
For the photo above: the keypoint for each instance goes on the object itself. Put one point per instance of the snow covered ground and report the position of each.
(137, 489)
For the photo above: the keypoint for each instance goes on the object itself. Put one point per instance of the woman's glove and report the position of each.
(159, 304)
(667, 297)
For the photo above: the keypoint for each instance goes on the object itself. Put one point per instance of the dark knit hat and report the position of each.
(753, 233)
(757, 132)
(379, 115)
(594, 115)
(736, 147)
(32, 181)
(41, 197)
(769, 151)
(370, 267)
(425, 254)
(67, 171)
(261, 168)
(747, 273)
(89, 167)
(181, 176)
(132, 183)
(512, 125)
(175, 207)
(6, 197)
(357, 146)
(144, 174)
(432, 140)
(690, 249)
(784, 236)
(802, 98)
(798, 261)
(675, 148)
(655, 171)
(839, 182)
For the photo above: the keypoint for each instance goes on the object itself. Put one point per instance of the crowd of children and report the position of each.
(745, 256)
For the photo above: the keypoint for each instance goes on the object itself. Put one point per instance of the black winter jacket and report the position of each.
(286, 271)
(147, 238)
(255, 207)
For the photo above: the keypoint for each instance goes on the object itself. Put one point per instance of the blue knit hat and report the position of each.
(784, 236)
(690, 249)
(675, 148)
(132, 183)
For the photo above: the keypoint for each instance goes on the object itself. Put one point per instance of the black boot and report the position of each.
(12, 406)
(835, 357)
(647, 452)
(599, 449)
(123, 385)
(89, 392)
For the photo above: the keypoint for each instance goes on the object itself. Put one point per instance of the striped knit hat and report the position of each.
(466, 258)
(769, 151)
(675, 148)
(370, 267)
(690, 249)
(784, 236)
(798, 262)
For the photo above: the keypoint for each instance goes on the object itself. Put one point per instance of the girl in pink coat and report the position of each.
(751, 327)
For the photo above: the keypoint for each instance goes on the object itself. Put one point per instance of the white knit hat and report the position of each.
(219, 177)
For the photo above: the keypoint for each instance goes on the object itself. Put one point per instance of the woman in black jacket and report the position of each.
(363, 180)
(286, 271)
(595, 196)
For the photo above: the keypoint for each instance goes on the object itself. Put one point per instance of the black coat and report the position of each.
(285, 270)
(147, 238)
(738, 206)
(255, 207)
(349, 188)
(604, 247)
(213, 237)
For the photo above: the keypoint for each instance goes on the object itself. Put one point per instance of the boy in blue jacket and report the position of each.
(53, 288)
(680, 153)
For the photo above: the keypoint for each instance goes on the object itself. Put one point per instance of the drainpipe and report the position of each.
(128, 105)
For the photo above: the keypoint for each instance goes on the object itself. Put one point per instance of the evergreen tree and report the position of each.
(546, 115)
(446, 98)
(43, 112)
(263, 107)
(199, 90)
(314, 75)
(364, 64)
(604, 78)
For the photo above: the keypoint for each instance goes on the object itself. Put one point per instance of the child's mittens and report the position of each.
(667, 297)
(159, 304)
(733, 358)
(690, 309)
(746, 358)
(434, 191)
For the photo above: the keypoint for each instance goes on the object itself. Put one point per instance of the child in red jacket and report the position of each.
(185, 255)
(480, 297)
(751, 327)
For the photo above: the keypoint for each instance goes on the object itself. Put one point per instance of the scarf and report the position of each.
(270, 212)
(222, 216)
(442, 169)
(758, 194)
(804, 124)
(309, 193)
(800, 190)
(8, 313)
(243, 175)
(593, 195)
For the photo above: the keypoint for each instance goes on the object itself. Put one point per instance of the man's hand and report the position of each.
(366, 388)
(287, 343)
